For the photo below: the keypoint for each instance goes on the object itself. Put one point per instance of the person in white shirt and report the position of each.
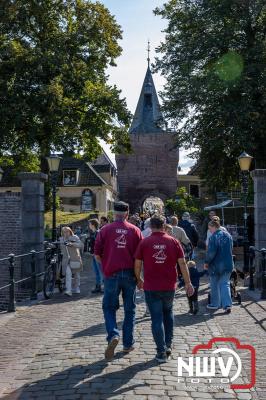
(179, 233)
(147, 230)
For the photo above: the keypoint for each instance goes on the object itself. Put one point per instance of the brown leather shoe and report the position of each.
(128, 349)
(110, 350)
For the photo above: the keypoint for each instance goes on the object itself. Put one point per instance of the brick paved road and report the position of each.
(54, 350)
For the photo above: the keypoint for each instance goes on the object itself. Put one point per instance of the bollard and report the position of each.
(33, 276)
(263, 264)
(11, 304)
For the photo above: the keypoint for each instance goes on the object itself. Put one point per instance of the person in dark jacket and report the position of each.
(195, 276)
(190, 229)
(94, 228)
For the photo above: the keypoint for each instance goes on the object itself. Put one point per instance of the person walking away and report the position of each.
(195, 276)
(191, 232)
(94, 227)
(179, 233)
(205, 223)
(169, 229)
(115, 247)
(190, 229)
(146, 233)
(219, 262)
(71, 246)
(147, 228)
(160, 254)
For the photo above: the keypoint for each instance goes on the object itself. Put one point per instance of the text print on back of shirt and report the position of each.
(160, 255)
(121, 239)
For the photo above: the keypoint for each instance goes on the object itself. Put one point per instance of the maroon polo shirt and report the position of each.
(116, 244)
(159, 253)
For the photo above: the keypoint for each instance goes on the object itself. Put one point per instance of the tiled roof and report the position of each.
(88, 173)
(103, 160)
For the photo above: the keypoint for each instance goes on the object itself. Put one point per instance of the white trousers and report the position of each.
(76, 280)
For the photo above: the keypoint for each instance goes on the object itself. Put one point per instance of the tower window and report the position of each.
(147, 100)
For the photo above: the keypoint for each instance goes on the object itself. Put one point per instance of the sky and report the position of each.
(139, 25)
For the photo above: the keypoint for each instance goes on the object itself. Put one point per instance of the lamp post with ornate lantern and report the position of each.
(245, 162)
(53, 163)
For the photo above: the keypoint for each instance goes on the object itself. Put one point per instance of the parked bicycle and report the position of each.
(53, 275)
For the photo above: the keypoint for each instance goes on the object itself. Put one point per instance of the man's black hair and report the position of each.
(157, 222)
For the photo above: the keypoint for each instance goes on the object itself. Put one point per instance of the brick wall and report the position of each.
(150, 170)
(10, 238)
(10, 222)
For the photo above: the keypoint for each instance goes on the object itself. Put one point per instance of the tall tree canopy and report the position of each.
(54, 91)
(214, 59)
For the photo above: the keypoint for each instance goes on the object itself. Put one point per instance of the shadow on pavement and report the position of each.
(84, 380)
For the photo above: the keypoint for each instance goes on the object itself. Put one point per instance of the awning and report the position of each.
(225, 203)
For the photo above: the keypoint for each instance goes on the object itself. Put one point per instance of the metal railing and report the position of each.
(11, 259)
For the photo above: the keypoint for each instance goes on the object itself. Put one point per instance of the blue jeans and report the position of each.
(97, 271)
(125, 282)
(160, 304)
(220, 290)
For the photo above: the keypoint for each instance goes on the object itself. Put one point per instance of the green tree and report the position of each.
(213, 59)
(182, 202)
(54, 90)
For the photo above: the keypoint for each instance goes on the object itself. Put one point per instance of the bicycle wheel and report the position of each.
(61, 286)
(61, 279)
(49, 282)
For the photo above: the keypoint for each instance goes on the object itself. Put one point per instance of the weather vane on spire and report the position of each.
(149, 49)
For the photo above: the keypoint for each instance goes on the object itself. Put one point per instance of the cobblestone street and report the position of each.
(55, 350)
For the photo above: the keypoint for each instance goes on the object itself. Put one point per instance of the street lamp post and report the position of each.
(53, 163)
(244, 162)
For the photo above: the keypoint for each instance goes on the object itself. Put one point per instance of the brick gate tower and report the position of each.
(151, 169)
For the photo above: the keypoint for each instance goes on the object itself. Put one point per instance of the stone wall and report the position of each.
(259, 177)
(22, 230)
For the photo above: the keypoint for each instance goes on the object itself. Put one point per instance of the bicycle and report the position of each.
(53, 275)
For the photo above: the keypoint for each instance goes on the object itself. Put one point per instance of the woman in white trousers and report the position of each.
(71, 246)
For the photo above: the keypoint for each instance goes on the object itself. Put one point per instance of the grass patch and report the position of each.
(63, 217)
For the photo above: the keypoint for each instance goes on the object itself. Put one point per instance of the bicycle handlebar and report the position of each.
(51, 245)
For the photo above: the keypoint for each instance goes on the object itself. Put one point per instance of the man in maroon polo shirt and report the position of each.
(160, 254)
(115, 247)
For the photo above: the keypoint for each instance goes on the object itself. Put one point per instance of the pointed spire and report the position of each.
(148, 50)
(148, 117)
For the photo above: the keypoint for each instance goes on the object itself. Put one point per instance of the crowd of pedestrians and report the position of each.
(151, 253)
